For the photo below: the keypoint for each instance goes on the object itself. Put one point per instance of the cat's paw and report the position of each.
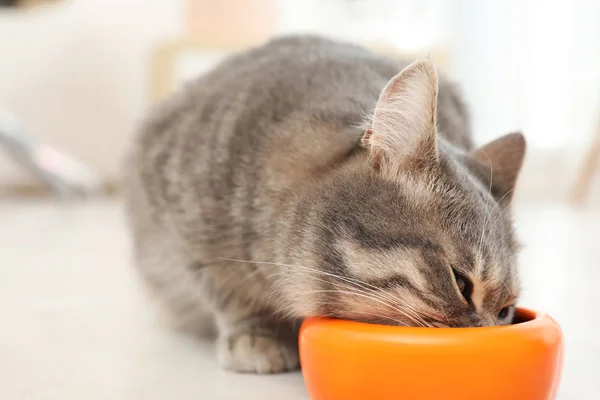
(246, 352)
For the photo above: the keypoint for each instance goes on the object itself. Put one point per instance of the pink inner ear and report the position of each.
(388, 92)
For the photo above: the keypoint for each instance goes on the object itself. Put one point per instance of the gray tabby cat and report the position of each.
(308, 177)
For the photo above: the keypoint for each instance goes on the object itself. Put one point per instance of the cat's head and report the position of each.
(413, 231)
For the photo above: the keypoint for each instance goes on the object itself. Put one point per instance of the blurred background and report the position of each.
(76, 76)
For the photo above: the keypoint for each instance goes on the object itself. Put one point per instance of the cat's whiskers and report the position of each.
(496, 206)
(357, 292)
(433, 323)
(406, 308)
(365, 285)
(438, 324)
(500, 216)
(290, 314)
(489, 197)
(376, 296)
(357, 311)
(375, 293)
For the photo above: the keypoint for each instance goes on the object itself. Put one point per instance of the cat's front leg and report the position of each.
(256, 343)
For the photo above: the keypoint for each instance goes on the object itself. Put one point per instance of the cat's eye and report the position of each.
(464, 285)
(504, 312)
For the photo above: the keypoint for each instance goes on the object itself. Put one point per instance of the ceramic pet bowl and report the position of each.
(344, 360)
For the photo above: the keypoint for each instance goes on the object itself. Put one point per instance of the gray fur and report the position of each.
(259, 160)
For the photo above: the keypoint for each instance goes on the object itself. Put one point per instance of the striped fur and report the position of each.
(255, 201)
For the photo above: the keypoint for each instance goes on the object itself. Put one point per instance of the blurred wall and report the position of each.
(530, 65)
(76, 74)
(533, 66)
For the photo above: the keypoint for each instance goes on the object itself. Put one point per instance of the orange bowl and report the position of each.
(344, 360)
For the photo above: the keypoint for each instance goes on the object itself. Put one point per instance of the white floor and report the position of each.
(74, 324)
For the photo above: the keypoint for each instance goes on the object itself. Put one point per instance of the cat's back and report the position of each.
(300, 95)
(264, 119)
(289, 80)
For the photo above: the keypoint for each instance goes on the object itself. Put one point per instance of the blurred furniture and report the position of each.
(588, 170)
(231, 21)
(75, 74)
(25, 3)
(180, 59)
(65, 175)
(216, 29)
(213, 29)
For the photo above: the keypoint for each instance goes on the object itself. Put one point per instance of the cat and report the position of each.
(309, 177)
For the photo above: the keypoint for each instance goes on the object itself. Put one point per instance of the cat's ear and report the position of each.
(502, 159)
(403, 129)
